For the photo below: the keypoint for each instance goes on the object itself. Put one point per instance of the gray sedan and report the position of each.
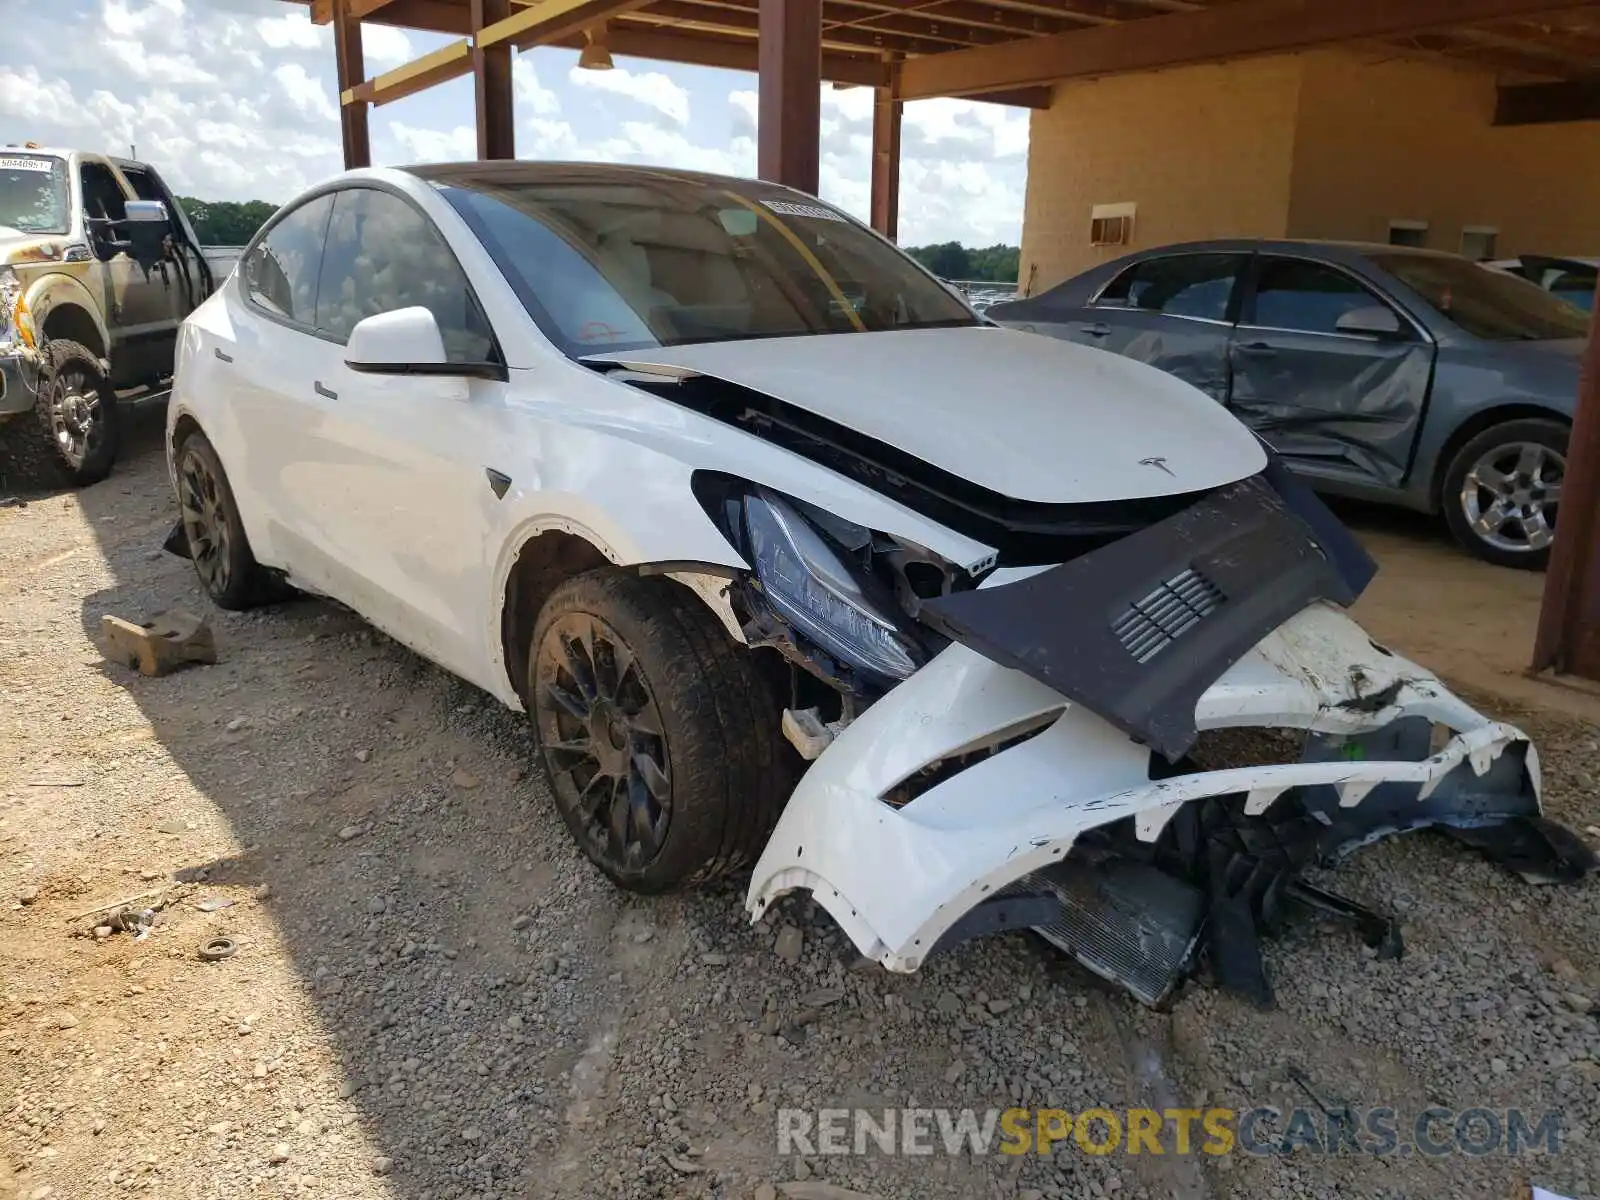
(1406, 376)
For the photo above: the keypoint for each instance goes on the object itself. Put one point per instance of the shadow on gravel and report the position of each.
(504, 1023)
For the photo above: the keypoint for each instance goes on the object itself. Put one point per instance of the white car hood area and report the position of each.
(1030, 418)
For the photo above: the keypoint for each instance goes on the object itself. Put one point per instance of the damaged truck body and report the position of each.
(796, 563)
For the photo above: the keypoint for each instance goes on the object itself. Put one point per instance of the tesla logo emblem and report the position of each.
(1159, 463)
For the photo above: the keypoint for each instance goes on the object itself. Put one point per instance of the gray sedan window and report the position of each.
(1305, 296)
(1176, 285)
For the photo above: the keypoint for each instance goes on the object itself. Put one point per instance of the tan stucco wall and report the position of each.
(1379, 139)
(1203, 151)
(1329, 144)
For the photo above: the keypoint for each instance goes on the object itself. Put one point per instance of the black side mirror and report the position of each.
(1376, 321)
(145, 224)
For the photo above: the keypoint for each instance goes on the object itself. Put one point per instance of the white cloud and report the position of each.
(235, 100)
(529, 92)
(433, 145)
(650, 88)
(385, 44)
(305, 91)
(294, 31)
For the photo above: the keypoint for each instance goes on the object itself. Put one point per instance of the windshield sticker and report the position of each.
(27, 164)
(790, 209)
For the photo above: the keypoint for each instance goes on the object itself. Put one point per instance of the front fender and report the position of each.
(58, 289)
(897, 879)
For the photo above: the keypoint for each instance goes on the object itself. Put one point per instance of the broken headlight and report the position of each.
(810, 585)
(11, 314)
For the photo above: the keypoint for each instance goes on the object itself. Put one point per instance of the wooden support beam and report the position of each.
(886, 113)
(1548, 103)
(447, 62)
(1032, 97)
(1568, 641)
(350, 69)
(491, 79)
(693, 15)
(547, 21)
(789, 84)
(1232, 30)
(730, 53)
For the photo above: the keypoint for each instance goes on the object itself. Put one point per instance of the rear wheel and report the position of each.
(660, 737)
(218, 546)
(1502, 490)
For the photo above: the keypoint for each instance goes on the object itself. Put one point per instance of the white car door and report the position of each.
(402, 460)
(277, 364)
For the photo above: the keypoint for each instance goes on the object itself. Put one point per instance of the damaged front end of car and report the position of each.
(1134, 739)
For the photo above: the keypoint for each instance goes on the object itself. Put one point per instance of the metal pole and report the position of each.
(1569, 620)
(491, 76)
(352, 71)
(789, 60)
(886, 112)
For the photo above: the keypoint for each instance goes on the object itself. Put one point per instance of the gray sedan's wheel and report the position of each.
(1502, 491)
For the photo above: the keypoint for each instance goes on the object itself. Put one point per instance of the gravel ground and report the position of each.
(433, 995)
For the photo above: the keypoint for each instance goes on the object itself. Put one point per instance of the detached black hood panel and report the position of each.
(1136, 631)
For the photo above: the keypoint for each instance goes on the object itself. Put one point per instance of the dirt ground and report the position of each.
(434, 997)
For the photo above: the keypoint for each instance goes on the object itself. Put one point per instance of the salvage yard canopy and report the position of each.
(1006, 51)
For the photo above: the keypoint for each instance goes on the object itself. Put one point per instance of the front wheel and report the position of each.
(660, 737)
(1502, 490)
(71, 439)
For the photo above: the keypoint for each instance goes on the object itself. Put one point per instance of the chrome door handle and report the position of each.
(1257, 349)
(217, 350)
(1097, 329)
(325, 393)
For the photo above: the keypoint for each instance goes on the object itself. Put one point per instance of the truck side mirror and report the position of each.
(145, 224)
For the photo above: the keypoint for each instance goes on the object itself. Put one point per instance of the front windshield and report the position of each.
(609, 264)
(33, 194)
(1487, 304)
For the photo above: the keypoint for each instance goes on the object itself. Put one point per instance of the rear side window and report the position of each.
(280, 273)
(384, 255)
(1177, 285)
(1308, 297)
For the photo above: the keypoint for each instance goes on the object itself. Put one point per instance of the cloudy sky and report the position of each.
(235, 100)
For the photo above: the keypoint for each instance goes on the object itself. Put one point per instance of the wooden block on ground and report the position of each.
(160, 646)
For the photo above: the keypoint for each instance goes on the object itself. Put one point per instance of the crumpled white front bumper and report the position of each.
(897, 879)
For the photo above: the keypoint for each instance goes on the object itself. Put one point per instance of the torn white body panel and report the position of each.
(897, 879)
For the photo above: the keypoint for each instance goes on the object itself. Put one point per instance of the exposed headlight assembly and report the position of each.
(810, 585)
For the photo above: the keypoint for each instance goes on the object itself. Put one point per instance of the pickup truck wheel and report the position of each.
(1502, 490)
(73, 436)
(660, 737)
(218, 546)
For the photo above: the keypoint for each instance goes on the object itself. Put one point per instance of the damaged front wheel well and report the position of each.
(543, 562)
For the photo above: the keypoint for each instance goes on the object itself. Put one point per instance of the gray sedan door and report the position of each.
(1336, 405)
(1171, 311)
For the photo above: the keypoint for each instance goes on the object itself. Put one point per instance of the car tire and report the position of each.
(1510, 465)
(71, 437)
(659, 735)
(218, 545)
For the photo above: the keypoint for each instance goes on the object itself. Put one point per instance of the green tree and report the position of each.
(226, 222)
(952, 260)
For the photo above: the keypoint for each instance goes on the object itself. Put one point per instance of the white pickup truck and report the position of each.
(98, 268)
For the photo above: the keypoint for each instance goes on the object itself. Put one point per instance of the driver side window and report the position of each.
(103, 197)
(384, 255)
